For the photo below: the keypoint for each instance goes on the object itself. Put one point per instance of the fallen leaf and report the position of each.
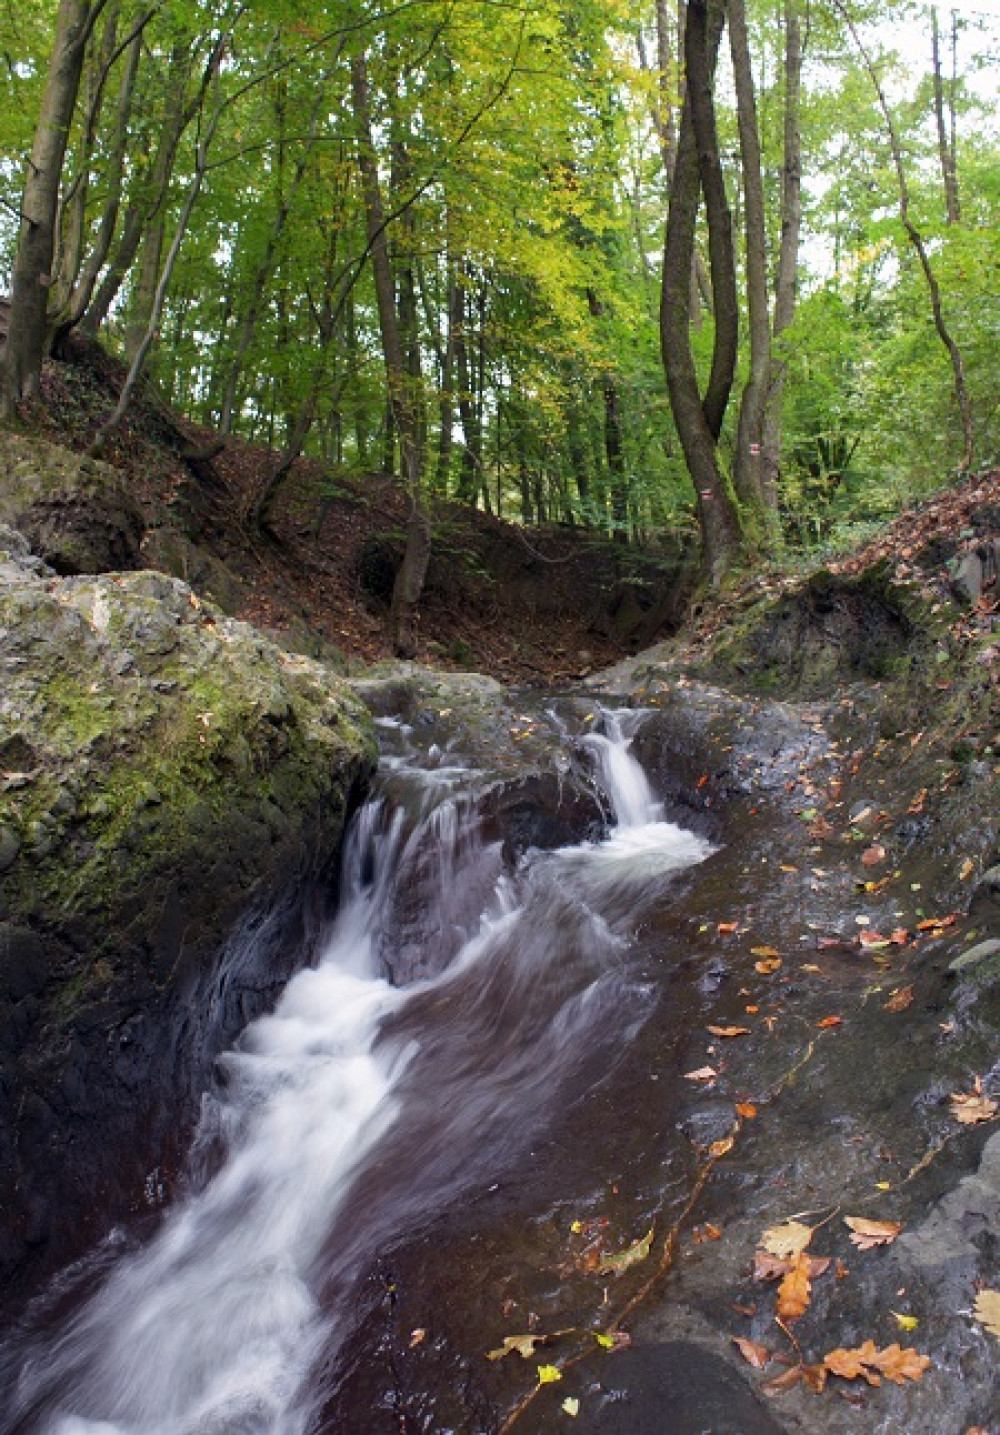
(612, 1340)
(869, 1363)
(873, 939)
(571, 1406)
(723, 927)
(766, 967)
(829, 1021)
(873, 855)
(787, 1240)
(524, 1345)
(905, 1322)
(549, 1374)
(719, 1148)
(795, 1290)
(746, 1109)
(815, 1376)
(901, 998)
(866, 1234)
(417, 1337)
(764, 952)
(781, 1384)
(756, 1355)
(728, 1031)
(968, 867)
(638, 1251)
(987, 1311)
(703, 1073)
(900, 937)
(972, 1107)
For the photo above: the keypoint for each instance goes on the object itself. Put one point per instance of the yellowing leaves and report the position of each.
(618, 1264)
(549, 1374)
(787, 1240)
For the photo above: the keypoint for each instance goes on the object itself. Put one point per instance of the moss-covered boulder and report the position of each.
(77, 514)
(167, 778)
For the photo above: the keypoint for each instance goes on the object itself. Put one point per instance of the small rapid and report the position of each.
(455, 1003)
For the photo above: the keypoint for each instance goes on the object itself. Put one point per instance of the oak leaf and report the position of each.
(894, 1363)
(795, 1290)
(866, 1234)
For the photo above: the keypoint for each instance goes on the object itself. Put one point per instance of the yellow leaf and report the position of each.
(987, 1311)
(549, 1374)
(638, 1251)
(906, 1322)
(787, 1240)
(571, 1406)
(606, 1342)
(764, 952)
(576, 1227)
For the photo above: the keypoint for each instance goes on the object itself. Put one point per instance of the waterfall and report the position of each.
(453, 1007)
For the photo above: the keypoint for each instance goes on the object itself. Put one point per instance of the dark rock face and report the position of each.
(167, 777)
(77, 515)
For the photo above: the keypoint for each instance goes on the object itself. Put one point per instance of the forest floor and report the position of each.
(540, 606)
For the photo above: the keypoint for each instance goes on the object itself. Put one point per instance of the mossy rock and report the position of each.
(166, 774)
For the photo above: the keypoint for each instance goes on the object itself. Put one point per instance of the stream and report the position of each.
(460, 1004)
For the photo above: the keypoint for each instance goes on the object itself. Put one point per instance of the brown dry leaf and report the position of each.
(417, 1337)
(719, 1148)
(781, 1384)
(829, 1021)
(900, 937)
(971, 1107)
(795, 1290)
(866, 1234)
(987, 1310)
(767, 1267)
(746, 1109)
(787, 1240)
(524, 1345)
(815, 1376)
(873, 939)
(901, 998)
(764, 952)
(873, 855)
(723, 927)
(728, 1031)
(869, 1363)
(766, 967)
(616, 1265)
(968, 867)
(703, 1073)
(754, 1354)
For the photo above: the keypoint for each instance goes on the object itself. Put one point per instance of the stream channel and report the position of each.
(463, 1003)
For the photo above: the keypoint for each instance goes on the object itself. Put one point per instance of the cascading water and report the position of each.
(453, 1006)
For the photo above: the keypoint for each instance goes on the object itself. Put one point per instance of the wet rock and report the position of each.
(967, 579)
(676, 1387)
(960, 1222)
(10, 846)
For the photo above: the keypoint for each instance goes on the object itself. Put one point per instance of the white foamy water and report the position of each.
(359, 1108)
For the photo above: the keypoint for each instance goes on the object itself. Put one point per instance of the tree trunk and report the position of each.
(697, 428)
(20, 377)
(409, 583)
(747, 466)
(946, 139)
(786, 286)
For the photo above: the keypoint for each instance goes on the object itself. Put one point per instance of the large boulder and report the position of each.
(77, 514)
(173, 794)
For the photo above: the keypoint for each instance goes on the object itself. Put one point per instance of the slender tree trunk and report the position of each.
(409, 583)
(747, 466)
(946, 140)
(21, 372)
(698, 426)
(786, 286)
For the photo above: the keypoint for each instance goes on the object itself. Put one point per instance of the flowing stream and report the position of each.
(455, 1005)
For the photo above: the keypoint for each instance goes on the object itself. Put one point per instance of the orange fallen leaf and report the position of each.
(746, 1109)
(795, 1290)
(866, 1234)
(873, 855)
(872, 939)
(900, 999)
(829, 1021)
(756, 1355)
(900, 937)
(771, 964)
(894, 1363)
(723, 927)
(729, 1031)
(764, 952)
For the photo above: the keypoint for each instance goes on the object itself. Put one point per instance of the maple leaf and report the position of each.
(754, 1354)
(866, 1234)
(987, 1311)
(638, 1251)
(972, 1107)
(729, 1031)
(788, 1239)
